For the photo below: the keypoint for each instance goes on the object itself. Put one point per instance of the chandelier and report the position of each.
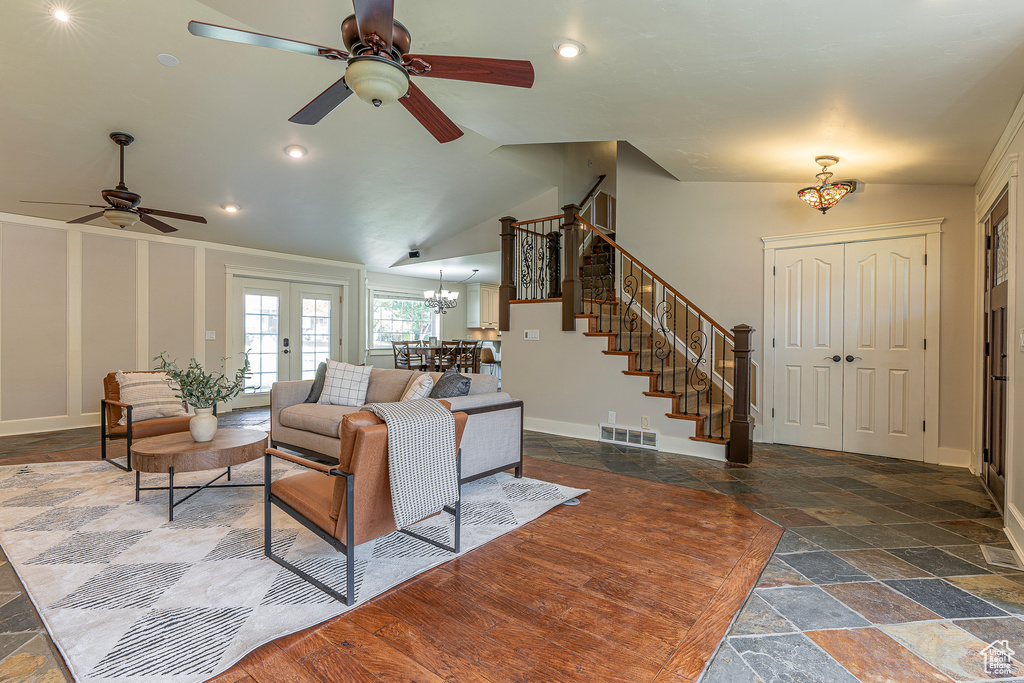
(441, 299)
(826, 194)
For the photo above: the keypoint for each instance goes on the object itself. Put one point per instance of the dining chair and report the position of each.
(401, 351)
(449, 357)
(487, 359)
(469, 356)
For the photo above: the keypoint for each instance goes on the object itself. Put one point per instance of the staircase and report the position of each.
(648, 352)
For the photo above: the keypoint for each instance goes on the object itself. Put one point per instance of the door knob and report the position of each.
(851, 358)
(999, 378)
(836, 358)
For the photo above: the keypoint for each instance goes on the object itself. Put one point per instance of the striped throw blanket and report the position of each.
(421, 457)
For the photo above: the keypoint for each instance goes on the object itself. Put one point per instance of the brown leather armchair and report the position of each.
(111, 408)
(347, 504)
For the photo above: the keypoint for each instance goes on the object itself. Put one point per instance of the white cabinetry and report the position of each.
(482, 306)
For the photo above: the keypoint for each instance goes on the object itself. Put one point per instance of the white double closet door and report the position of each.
(849, 347)
(287, 329)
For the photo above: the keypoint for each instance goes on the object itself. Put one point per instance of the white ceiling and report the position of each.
(904, 91)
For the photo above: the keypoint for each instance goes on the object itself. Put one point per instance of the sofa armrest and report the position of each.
(478, 400)
(284, 394)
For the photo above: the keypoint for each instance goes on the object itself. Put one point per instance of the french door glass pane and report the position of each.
(262, 318)
(1002, 248)
(316, 334)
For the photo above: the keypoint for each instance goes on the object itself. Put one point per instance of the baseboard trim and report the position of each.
(954, 457)
(1013, 527)
(666, 444)
(50, 424)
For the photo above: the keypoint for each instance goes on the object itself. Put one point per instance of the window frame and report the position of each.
(386, 292)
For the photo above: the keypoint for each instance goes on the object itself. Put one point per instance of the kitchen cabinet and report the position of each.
(482, 306)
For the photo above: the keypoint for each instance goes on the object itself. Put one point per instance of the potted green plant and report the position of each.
(203, 390)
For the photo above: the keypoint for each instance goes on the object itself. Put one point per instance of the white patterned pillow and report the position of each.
(345, 384)
(150, 395)
(419, 387)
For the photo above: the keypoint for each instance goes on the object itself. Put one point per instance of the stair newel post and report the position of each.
(555, 262)
(507, 289)
(572, 290)
(741, 437)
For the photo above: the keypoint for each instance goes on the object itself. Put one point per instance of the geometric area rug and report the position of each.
(129, 597)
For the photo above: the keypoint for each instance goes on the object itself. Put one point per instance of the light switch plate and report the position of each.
(611, 417)
(531, 335)
(211, 335)
(645, 422)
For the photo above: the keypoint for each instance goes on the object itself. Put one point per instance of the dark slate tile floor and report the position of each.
(879, 576)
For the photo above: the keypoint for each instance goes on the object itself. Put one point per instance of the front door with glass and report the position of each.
(287, 329)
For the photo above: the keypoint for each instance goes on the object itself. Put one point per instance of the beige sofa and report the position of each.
(493, 440)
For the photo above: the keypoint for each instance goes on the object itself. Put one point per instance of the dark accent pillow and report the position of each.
(318, 384)
(450, 384)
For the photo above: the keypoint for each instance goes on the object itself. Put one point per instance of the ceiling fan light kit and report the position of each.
(826, 193)
(121, 218)
(376, 80)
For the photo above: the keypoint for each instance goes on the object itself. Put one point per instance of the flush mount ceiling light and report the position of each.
(441, 299)
(60, 15)
(167, 60)
(295, 151)
(826, 194)
(569, 48)
(376, 80)
(231, 208)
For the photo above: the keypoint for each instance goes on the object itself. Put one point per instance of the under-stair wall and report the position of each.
(568, 385)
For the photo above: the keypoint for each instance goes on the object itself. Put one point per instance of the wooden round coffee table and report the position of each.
(177, 453)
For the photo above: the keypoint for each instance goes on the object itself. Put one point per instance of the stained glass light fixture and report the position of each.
(826, 193)
(441, 299)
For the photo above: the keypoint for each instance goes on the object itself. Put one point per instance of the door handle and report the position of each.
(999, 378)
(836, 358)
(285, 342)
(851, 358)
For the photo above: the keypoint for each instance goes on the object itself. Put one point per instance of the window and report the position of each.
(401, 317)
(316, 334)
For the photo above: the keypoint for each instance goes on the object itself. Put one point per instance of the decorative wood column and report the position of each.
(572, 291)
(741, 429)
(507, 289)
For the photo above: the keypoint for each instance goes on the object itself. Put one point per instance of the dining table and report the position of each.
(432, 356)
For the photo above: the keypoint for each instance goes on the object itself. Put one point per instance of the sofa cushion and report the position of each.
(419, 387)
(318, 384)
(346, 384)
(316, 418)
(387, 386)
(451, 384)
(479, 384)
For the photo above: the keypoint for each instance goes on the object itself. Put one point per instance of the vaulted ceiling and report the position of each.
(905, 91)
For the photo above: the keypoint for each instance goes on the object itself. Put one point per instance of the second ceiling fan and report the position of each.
(380, 65)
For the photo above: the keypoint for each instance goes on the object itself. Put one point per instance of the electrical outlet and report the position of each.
(531, 335)
(645, 422)
(611, 417)
(211, 335)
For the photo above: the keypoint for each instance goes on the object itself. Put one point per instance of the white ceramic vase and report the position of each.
(203, 426)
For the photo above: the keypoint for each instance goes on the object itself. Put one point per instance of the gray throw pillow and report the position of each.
(318, 384)
(450, 384)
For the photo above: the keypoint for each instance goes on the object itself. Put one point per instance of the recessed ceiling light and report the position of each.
(60, 15)
(295, 151)
(167, 60)
(231, 208)
(569, 48)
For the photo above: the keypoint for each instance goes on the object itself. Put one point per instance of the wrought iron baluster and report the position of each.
(675, 353)
(721, 427)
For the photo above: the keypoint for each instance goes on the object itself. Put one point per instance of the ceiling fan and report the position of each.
(379, 66)
(123, 208)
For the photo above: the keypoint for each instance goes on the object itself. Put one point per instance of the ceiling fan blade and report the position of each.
(156, 223)
(91, 206)
(323, 104)
(234, 35)
(86, 219)
(516, 72)
(375, 16)
(428, 114)
(172, 214)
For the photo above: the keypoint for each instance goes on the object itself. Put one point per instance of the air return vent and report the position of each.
(641, 438)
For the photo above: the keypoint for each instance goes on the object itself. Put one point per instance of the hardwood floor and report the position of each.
(639, 583)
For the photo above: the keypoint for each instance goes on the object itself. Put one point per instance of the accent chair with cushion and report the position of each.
(345, 504)
(118, 422)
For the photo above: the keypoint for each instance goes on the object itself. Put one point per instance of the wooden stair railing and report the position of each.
(703, 369)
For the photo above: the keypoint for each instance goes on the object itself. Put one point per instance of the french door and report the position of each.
(849, 347)
(997, 242)
(287, 329)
